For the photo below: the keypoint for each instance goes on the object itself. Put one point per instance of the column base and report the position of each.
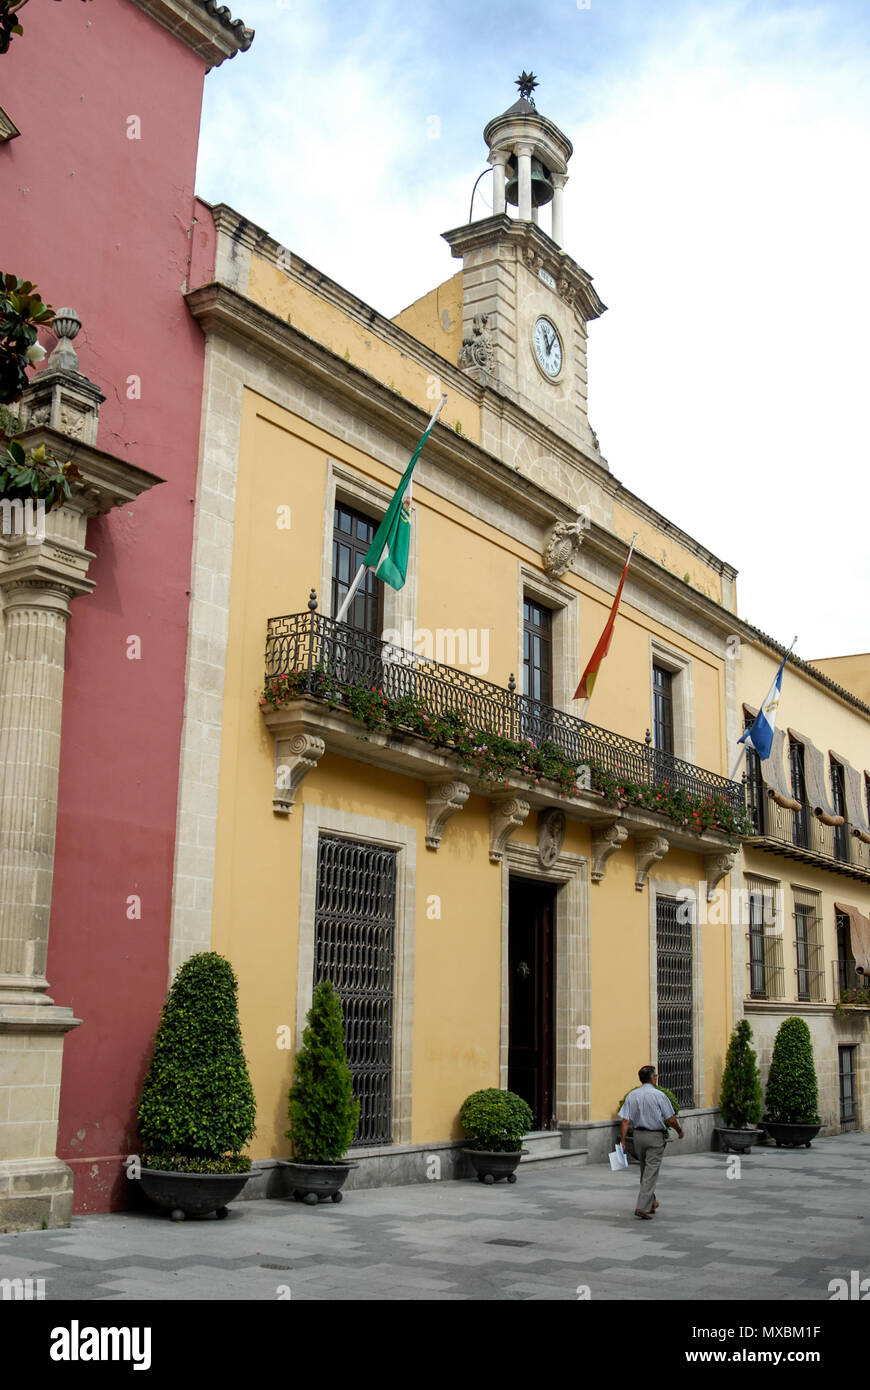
(36, 1194)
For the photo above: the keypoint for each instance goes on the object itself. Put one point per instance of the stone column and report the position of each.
(559, 181)
(498, 159)
(42, 568)
(524, 167)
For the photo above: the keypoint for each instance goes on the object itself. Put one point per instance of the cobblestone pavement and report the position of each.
(789, 1224)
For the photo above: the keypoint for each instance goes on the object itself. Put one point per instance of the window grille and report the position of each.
(766, 971)
(676, 1053)
(808, 946)
(848, 1102)
(355, 925)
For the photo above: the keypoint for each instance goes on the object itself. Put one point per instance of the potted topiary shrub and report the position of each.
(740, 1096)
(197, 1110)
(629, 1138)
(792, 1095)
(495, 1122)
(323, 1111)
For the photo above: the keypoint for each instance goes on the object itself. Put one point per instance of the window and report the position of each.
(537, 652)
(676, 1060)
(846, 976)
(755, 790)
(800, 833)
(848, 1106)
(663, 710)
(352, 535)
(354, 947)
(766, 973)
(808, 946)
(838, 801)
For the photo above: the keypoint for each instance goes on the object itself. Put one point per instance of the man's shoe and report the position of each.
(644, 1215)
(655, 1204)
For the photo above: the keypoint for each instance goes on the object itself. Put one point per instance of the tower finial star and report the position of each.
(527, 82)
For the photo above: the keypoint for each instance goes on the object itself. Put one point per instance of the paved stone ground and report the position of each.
(793, 1220)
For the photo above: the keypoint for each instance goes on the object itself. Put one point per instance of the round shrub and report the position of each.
(665, 1092)
(792, 1096)
(197, 1100)
(323, 1112)
(740, 1096)
(495, 1121)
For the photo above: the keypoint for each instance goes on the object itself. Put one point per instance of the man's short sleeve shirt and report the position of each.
(646, 1108)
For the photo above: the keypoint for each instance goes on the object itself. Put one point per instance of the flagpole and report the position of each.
(625, 567)
(349, 596)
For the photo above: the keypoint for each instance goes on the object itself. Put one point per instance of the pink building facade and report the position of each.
(100, 212)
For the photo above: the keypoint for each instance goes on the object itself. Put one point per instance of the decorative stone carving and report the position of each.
(478, 350)
(605, 841)
(60, 396)
(294, 759)
(567, 291)
(551, 836)
(443, 800)
(534, 260)
(505, 817)
(717, 866)
(563, 543)
(648, 850)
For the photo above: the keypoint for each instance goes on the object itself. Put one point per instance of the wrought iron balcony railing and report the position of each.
(803, 832)
(328, 655)
(850, 986)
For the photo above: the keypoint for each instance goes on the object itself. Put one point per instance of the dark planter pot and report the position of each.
(192, 1194)
(741, 1140)
(791, 1136)
(317, 1182)
(493, 1167)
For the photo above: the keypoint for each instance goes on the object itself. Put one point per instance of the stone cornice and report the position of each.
(527, 125)
(541, 251)
(208, 29)
(106, 482)
(220, 309)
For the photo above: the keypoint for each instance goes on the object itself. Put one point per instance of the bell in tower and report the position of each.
(529, 155)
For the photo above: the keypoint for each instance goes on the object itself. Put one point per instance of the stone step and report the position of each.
(568, 1158)
(543, 1141)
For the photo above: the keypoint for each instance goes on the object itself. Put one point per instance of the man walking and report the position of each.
(648, 1110)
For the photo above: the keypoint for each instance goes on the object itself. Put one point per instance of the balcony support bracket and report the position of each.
(443, 800)
(716, 867)
(648, 850)
(295, 757)
(606, 841)
(505, 816)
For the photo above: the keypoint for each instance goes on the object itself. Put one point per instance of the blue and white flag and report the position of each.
(760, 734)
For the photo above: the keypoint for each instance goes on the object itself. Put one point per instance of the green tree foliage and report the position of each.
(197, 1099)
(792, 1095)
(740, 1096)
(495, 1121)
(323, 1112)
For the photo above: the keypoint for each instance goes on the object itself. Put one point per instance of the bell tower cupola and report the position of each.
(529, 157)
(526, 303)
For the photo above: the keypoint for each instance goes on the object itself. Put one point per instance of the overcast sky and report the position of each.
(718, 195)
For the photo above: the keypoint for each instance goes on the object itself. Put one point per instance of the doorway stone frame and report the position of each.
(570, 873)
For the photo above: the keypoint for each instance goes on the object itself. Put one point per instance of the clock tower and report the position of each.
(526, 303)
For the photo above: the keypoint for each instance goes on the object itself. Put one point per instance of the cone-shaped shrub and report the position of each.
(740, 1096)
(792, 1095)
(197, 1102)
(323, 1112)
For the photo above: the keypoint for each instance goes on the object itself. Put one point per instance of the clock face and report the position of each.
(548, 347)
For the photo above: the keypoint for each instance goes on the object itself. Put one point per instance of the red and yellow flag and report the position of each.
(590, 675)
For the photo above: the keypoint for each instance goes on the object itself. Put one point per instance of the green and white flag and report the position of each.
(388, 553)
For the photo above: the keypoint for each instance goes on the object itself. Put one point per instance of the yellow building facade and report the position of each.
(548, 930)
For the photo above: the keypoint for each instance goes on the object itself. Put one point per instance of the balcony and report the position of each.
(801, 835)
(851, 987)
(313, 658)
